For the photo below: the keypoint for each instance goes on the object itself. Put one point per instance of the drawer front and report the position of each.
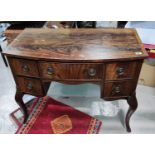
(120, 70)
(118, 89)
(61, 71)
(29, 85)
(24, 67)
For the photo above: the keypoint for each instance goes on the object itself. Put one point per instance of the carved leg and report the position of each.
(132, 101)
(19, 99)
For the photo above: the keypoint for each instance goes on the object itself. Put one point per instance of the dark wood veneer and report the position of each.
(24, 67)
(111, 58)
(121, 70)
(95, 45)
(30, 85)
(70, 71)
(118, 89)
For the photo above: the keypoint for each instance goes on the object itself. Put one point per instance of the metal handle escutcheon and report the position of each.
(92, 72)
(117, 89)
(50, 70)
(29, 86)
(25, 68)
(120, 70)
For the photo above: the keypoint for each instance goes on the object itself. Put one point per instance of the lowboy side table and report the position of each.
(111, 58)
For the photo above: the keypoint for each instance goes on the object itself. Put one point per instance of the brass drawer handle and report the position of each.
(50, 70)
(120, 70)
(25, 68)
(29, 86)
(116, 89)
(91, 72)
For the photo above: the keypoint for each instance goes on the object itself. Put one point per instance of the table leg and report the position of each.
(3, 57)
(132, 101)
(19, 99)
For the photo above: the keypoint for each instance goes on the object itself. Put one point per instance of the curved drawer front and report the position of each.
(24, 67)
(120, 70)
(30, 85)
(72, 71)
(118, 89)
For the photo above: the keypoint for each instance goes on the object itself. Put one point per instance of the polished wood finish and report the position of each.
(12, 34)
(111, 58)
(118, 89)
(95, 45)
(73, 71)
(24, 67)
(30, 86)
(121, 70)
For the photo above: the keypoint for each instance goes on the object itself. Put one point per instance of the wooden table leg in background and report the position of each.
(132, 101)
(19, 99)
(4, 59)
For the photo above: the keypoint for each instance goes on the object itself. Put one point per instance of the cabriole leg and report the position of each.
(19, 99)
(132, 101)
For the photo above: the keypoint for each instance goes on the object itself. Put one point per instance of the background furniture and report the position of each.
(1, 51)
(3, 27)
(70, 24)
(19, 25)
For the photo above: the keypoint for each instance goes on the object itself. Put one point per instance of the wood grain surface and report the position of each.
(12, 34)
(77, 44)
(24, 67)
(128, 70)
(63, 71)
(118, 89)
(30, 86)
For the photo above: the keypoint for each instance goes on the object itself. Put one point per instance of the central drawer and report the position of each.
(61, 71)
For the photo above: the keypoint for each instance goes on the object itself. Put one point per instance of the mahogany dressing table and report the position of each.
(111, 58)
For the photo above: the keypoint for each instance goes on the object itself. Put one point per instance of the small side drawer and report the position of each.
(72, 71)
(118, 89)
(120, 70)
(29, 85)
(24, 67)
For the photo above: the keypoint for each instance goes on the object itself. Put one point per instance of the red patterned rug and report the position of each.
(48, 116)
